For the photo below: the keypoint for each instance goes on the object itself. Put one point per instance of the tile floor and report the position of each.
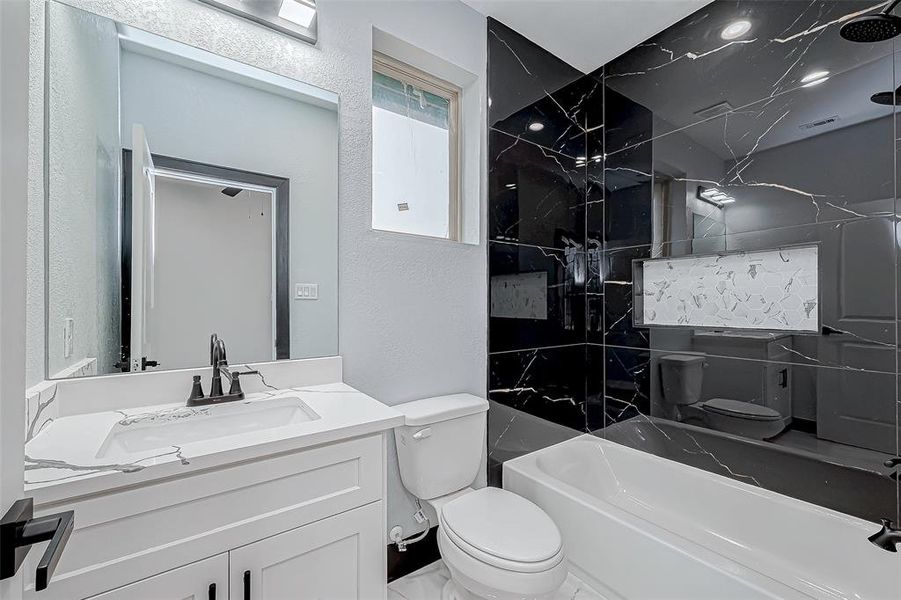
(427, 583)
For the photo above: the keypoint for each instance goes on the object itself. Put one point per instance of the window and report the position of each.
(415, 151)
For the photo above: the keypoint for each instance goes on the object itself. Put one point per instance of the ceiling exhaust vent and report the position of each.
(819, 123)
(715, 110)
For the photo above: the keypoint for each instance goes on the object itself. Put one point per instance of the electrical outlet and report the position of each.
(306, 291)
(68, 335)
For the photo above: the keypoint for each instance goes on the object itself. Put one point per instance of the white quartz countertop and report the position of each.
(72, 456)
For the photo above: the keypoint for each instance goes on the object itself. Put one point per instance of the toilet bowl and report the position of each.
(682, 376)
(495, 543)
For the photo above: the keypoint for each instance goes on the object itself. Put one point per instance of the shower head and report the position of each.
(232, 191)
(873, 28)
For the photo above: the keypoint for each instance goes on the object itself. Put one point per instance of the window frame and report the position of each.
(406, 73)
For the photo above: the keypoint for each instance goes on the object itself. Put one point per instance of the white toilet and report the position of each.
(495, 544)
(682, 376)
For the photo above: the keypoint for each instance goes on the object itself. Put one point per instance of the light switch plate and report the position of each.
(306, 291)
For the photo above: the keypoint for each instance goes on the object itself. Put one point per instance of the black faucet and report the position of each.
(888, 537)
(219, 362)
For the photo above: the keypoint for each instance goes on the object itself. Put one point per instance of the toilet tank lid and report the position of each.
(440, 408)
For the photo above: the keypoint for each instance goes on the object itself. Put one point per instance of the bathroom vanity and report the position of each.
(152, 231)
(280, 492)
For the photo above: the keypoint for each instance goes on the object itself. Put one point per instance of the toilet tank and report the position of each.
(682, 376)
(441, 443)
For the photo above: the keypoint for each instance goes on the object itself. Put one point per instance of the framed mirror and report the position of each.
(185, 194)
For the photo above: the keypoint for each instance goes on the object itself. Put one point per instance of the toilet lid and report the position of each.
(503, 525)
(741, 410)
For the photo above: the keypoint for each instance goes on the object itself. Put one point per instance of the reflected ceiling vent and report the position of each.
(819, 123)
(715, 110)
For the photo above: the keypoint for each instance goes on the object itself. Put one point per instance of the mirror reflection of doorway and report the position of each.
(213, 257)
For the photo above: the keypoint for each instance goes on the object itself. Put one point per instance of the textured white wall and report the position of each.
(412, 311)
(83, 180)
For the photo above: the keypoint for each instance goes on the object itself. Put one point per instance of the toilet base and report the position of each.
(473, 580)
(451, 591)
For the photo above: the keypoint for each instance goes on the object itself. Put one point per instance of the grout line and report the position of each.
(551, 248)
(522, 139)
(732, 235)
(659, 351)
(533, 349)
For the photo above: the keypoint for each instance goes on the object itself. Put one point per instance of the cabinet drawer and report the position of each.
(203, 580)
(129, 535)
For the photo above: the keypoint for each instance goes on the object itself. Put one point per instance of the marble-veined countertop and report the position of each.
(66, 459)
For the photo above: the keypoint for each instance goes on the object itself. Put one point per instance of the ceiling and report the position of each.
(587, 33)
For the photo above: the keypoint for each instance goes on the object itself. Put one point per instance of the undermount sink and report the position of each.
(184, 425)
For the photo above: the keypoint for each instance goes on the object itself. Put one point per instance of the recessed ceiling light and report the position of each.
(814, 76)
(735, 29)
(536, 126)
(297, 11)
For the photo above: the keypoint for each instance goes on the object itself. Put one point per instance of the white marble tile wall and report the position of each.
(770, 289)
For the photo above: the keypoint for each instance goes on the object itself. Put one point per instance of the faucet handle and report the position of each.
(235, 387)
(892, 462)
(196, 390)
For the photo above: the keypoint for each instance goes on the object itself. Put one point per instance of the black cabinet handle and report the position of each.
(246, 585)
(783, 378)
(212, 593)
(19, 531)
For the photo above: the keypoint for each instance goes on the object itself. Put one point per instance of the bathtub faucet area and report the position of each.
(888, 537)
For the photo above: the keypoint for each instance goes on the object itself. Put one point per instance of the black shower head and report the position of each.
(232, 191)
(871, 28)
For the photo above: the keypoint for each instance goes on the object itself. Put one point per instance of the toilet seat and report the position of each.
(503, 530)
(742, 418)
(741, 410)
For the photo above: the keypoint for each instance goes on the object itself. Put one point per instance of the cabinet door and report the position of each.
(204, 580)
(339, 558)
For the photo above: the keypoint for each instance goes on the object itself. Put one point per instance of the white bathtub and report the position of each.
(639, 527)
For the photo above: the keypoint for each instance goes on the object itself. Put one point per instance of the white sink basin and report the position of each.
(182, 425)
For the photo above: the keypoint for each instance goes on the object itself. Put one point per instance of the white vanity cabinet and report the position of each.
(331, 558)
(327, 559)
(302, 524)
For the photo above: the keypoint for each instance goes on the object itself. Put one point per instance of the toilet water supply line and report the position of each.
(420, 517)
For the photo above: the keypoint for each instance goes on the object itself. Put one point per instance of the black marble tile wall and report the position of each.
(540, 113)
(782, 120)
